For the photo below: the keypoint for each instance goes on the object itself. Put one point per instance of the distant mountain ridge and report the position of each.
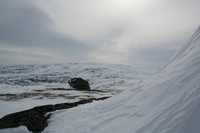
(57, 75)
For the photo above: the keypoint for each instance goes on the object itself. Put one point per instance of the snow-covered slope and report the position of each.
(177, 90)
(168, 102)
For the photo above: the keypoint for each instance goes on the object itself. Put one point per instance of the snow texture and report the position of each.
(167, 102)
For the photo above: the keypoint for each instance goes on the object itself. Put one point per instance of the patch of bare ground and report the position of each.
(16, 97)
(65, 94)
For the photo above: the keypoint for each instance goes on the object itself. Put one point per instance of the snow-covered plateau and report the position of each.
(166, 102)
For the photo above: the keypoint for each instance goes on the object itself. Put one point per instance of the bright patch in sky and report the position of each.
(127, 5)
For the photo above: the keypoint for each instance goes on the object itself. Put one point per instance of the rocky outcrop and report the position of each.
(79, 84)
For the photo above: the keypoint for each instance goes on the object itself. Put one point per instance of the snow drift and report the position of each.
(168, 102)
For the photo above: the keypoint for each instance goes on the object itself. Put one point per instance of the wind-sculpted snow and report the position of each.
(177, 90)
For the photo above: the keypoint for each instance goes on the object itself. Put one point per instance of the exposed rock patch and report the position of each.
(79, 84)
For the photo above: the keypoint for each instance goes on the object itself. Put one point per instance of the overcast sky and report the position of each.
(147, 32)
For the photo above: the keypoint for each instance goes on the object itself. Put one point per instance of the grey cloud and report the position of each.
(13, 57)
(22, 23)
(94, 30)
(155, 54)
(152, 58)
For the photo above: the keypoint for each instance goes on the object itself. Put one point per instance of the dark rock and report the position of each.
(79, 84)
(35, 121)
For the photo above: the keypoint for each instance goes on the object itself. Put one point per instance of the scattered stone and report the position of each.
(79, 84)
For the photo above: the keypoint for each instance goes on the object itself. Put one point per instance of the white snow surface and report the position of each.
(34, 79)
(167, 102)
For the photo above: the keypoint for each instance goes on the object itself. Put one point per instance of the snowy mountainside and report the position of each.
(177, 87)
(168, 102)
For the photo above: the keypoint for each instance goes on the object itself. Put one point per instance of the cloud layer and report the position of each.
(111, 31)
(25, 28)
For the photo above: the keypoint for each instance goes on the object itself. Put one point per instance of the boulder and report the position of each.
(79, 84)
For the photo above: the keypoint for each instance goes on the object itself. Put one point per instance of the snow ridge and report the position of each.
(190, 44)
(179, 88)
